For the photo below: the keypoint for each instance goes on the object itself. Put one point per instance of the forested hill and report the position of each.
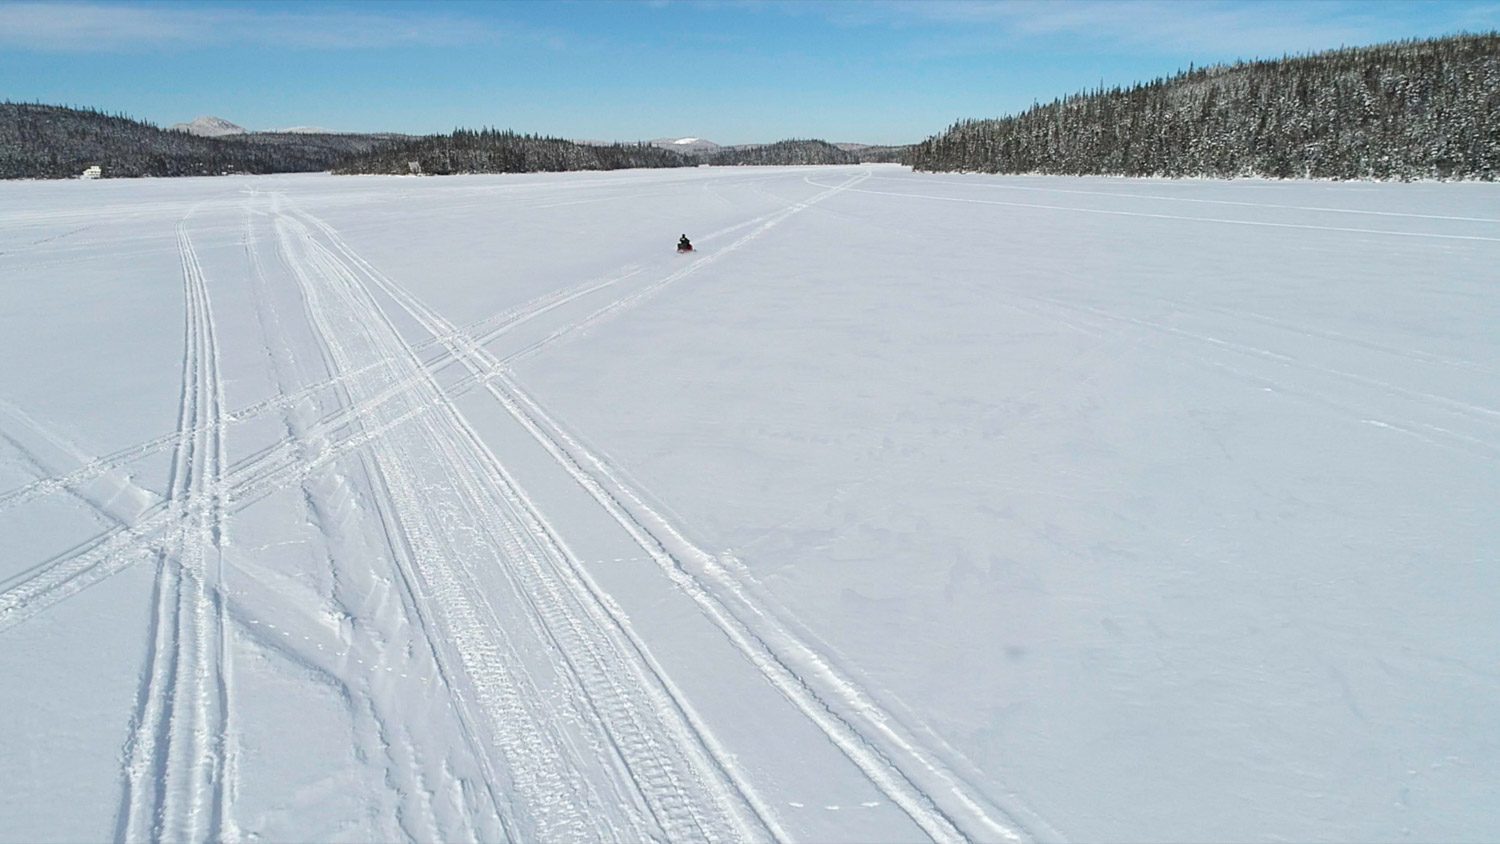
(491, 151)
(793, 151)
(1415, 109)
(54, 142)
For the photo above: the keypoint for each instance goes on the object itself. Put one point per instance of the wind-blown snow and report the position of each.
(908, 507)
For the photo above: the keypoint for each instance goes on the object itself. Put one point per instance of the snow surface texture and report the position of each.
(909, 507)
(212, 127)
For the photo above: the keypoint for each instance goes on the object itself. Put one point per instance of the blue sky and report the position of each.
(733, 72)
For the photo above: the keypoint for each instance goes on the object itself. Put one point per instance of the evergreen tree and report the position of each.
(1409, 110)
(53, 142)
(492, 151)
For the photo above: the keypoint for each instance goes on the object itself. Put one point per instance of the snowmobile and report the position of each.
(684, 245)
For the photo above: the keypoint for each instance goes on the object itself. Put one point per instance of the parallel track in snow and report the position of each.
(275, 467)
(679, 774)
(487, 328)
(483, 330)
(279, 465)
(452, 506)
(174, 758)
(927, 790)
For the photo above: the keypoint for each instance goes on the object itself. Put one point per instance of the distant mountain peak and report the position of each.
(210, 127)
(692, 146)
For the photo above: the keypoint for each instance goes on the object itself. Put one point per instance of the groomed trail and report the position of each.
(466, 509)
(568, 725)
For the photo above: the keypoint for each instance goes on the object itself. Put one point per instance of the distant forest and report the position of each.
(802, 151)
(53, 142)
(881, 154)
(794, 151)
(1410, 110)
(491, 151)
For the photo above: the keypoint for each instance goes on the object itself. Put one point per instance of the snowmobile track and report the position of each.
(278, 465)
(657, 768)
(790, 664)
(174, 774)
(558, 588)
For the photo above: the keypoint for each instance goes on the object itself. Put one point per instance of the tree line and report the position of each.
(793, 151)
(1426, 109)
(55, 142)
(495, 151)
(1409, 110)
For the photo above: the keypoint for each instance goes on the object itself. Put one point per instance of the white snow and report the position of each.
(908, 507)
(692, 145)
(210, 127)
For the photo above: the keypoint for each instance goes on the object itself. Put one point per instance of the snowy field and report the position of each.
(908, 507)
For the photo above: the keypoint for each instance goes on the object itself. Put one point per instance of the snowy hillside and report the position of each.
(908, 507)
(210, 127)
(688, 146)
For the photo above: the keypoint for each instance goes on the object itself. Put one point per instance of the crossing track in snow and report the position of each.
(288, 461)
(483, 330)
(608, 311)
(282, 463)
(399, 424)
(447, 574)
(174, 769)
(489, 523)
(930, 793)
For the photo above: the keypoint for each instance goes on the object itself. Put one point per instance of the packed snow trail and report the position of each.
(442, 560)
(789, 664)
(846, 527)
(163, 793)
(174, 774)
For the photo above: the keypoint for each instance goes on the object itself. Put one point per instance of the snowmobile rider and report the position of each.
(684, 245)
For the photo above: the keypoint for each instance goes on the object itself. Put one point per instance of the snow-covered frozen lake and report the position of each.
(908, 507)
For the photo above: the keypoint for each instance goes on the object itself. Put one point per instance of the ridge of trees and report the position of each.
(40, 141)
(792, 151)
(53, 142)
(496, 151)
(1417, 109)
(503, 151)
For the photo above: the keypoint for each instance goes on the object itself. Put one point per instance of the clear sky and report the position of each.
(731, 72)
